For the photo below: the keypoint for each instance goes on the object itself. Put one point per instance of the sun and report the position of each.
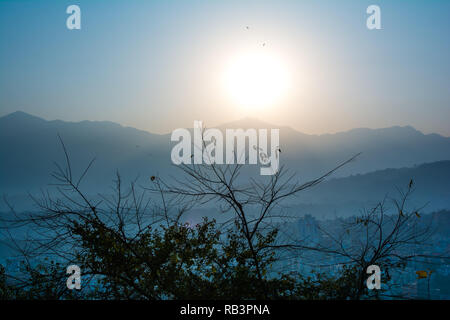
(256, 80)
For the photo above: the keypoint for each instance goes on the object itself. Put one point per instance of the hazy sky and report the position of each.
(157, 65)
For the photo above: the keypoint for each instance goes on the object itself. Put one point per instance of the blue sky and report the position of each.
(155, 65)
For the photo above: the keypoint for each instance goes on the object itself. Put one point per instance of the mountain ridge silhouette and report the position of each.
(30, 146)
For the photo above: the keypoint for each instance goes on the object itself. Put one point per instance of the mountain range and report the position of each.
(29, 147)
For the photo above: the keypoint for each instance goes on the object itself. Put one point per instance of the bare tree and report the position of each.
(253, 206)
(74, 227)
(52, 231)
(386, 236)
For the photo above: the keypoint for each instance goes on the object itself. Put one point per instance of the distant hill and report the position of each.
(29, 146)
(345, 196)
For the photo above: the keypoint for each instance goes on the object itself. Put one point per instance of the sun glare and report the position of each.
(256, 80)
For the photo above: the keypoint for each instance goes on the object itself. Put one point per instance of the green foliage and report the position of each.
(176, 262)
(45, 281)
(6, 292)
